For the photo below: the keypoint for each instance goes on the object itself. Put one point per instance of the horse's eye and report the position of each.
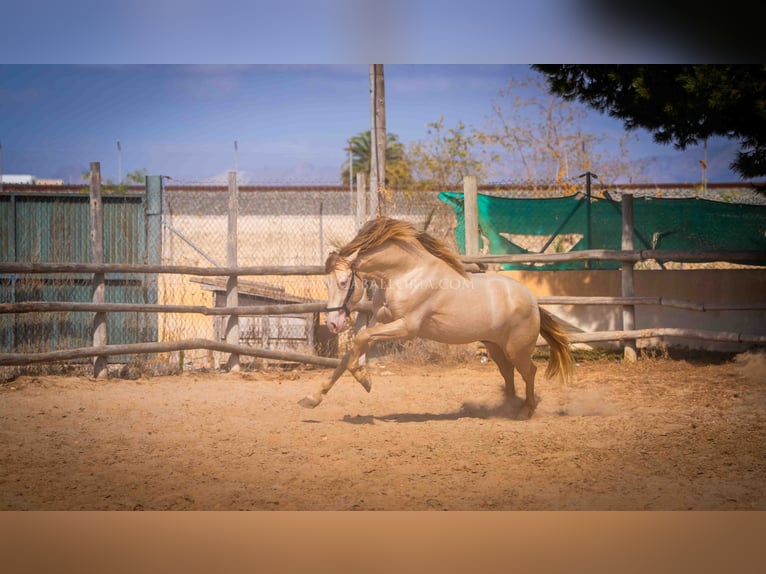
(343, 284)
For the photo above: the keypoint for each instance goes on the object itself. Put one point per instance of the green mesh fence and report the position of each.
(513, 226)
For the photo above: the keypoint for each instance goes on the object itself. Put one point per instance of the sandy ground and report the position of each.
(661, 434)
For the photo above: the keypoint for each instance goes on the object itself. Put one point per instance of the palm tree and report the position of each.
(398, 170)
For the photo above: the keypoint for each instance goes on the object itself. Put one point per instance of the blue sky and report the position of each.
(327, 31)
(291, 122)
(77, 76)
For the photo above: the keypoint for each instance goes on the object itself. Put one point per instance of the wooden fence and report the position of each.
(101, 349)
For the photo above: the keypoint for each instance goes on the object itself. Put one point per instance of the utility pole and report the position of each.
(119, 162)
(378, 133)
(350, 169)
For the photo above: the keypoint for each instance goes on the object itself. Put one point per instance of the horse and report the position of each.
(422, 290)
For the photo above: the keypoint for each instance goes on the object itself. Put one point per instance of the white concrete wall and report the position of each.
(707, 286)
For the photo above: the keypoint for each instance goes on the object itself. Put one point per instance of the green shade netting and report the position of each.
(661, 224)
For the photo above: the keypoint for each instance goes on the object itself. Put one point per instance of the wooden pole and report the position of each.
(756, 257)
(588, 235)
(752, 256)
(298, 308)
(700, 334)
(100, 337)
(9, 359)
(626, 276)
(378, 140)
(246, 310)
(471, 212)
(44, 268)
(361, 201)
(232, 292)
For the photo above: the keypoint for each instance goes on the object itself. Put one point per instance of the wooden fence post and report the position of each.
(97, 256)
(626, 276)
(232, 291)
(471, 211)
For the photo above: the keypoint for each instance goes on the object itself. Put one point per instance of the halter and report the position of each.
(349, 294)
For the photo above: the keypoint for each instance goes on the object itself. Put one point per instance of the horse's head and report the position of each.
(344, 288)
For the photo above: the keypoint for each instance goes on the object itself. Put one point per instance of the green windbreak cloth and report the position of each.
(672, 224)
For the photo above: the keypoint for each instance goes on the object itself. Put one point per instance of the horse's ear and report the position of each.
(329, 263)
(351, 258)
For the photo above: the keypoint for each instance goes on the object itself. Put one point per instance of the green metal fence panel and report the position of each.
(55, 228)
(7, 254)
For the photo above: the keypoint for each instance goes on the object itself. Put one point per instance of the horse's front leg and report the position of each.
(364, 341)
(312, 400)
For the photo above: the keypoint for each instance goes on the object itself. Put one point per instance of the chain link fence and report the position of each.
(280, 225)
(276, 226)
(283, 225)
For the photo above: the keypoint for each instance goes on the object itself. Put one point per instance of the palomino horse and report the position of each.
(423, 291)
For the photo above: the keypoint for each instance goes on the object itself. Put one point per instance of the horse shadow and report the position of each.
(510, 409)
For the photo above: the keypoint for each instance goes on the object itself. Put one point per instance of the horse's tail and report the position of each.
(561, 362)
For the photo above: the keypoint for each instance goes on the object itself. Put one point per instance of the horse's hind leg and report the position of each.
(522, 360)
(506, 367)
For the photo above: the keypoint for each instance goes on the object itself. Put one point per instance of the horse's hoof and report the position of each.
(527, 409)
(363, 378)
(308, 402)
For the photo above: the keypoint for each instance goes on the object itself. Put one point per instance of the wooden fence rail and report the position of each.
(300, 308)
(123, 268)
(54, 307)
(752, 256)
(20, 359)
(604, 336)
(658, 301)
(305, 270)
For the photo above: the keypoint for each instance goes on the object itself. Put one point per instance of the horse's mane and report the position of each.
(377, 231)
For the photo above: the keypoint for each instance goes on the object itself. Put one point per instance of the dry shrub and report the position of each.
(752, 365)
(426, 352)
(9, 374)
(660, 351)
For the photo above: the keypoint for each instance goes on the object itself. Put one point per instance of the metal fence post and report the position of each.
(153, 247)
(100, 337)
